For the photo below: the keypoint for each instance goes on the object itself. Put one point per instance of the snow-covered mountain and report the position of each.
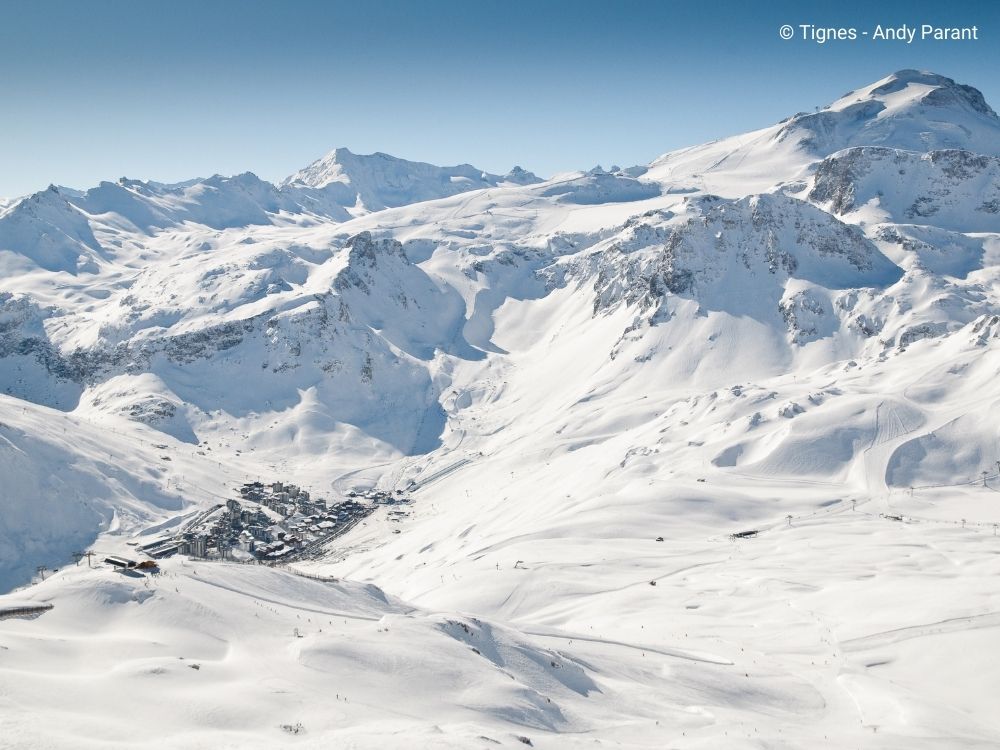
(591, 381)
(58, 229)
(909, 110)
(375, 181)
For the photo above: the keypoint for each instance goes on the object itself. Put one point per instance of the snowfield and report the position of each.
(702, 454)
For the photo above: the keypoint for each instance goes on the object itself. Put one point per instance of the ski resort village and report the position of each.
(270, 523)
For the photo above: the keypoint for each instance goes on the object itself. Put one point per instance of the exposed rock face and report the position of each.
(948, 189)
(362, 261)
(808, 315)
(716, 251)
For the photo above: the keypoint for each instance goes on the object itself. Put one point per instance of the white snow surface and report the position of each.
(592, 381)
(371, 182)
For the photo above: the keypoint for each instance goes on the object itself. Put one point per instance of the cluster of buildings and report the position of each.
(284, 499)
(269, 523)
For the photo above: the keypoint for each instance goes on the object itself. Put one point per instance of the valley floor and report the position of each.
(841, 628)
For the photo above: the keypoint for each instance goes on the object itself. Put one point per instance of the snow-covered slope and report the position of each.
(588, 383)
(371, 182)
(61, 229)
(65, 480)
(909, 110)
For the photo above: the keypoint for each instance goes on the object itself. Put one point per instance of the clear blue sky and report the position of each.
(174, 90)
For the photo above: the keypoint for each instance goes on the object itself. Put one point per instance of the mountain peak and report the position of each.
(371, 182)
(909, 110)
(520, 176)
(919, 87)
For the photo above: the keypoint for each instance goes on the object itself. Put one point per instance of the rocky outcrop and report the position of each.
(735, 255)
(948, 189)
